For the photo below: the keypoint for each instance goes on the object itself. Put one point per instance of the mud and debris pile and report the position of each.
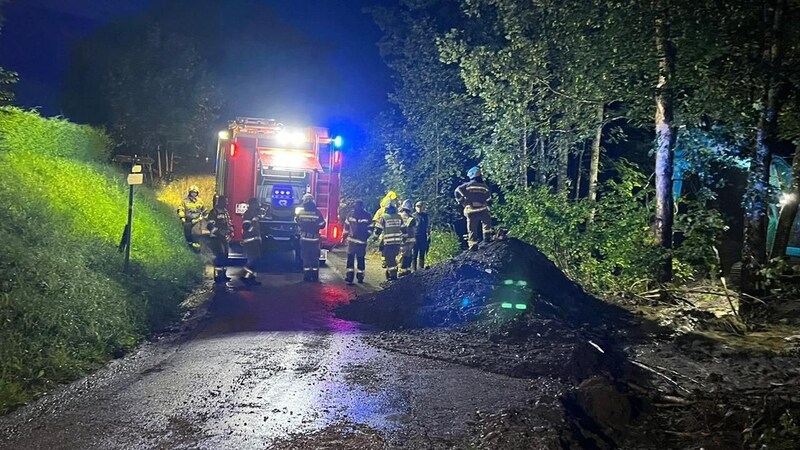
(476, 282)
(621, 380)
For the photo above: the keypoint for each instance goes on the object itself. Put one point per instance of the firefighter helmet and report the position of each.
(308, 198)
(194, 188)
(474, 172)
(407, 205)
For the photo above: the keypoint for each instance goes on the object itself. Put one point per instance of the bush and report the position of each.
(445, 244)
(64, 303)
(613, 253)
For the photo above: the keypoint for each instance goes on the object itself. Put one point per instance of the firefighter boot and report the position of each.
(391, 274)
(220, 276)
(360, 276)
(315, 275)
(349, 276)
(249, 278)
(307, 275)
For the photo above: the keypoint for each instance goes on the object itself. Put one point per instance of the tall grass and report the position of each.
(65, 305)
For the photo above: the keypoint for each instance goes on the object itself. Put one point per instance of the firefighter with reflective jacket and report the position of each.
(191, 212)
(357, 229)
(389, 230)
(389, 197)
(251, 240)
(409, 237)
(310, 221)
(220, 230)
(474, 197)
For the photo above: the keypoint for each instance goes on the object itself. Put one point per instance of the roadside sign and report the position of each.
(137, 168)
(135, 178)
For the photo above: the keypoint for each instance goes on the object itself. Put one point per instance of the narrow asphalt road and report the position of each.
(270, 367)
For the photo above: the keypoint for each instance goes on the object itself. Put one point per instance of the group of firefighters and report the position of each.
(402, 230)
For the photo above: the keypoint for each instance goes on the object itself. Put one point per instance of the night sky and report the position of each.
(37, 36)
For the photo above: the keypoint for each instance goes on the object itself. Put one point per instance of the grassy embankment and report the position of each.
(65, 306)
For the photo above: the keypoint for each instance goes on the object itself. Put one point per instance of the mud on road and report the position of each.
(270, 367)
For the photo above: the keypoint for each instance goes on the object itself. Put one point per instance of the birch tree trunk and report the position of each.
(665, 137)
(594, 161)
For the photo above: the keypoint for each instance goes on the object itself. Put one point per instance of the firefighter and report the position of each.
(423, 236)
(357, 229)
(409, 237)
(220, 229)
(389, 230)
(191, 212)
(251, 240)
(474, 197)
(389, 197)
(310, 221)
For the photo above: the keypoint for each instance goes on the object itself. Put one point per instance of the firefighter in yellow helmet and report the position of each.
(310, 221)
(390, 196)
(389, 230)
(191, 211)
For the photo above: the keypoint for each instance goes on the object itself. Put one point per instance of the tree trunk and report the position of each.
(541, 174)
(594, 162)
(757, 198)
(562, 185)
(788, 215)
(523, 169)
(665, 138)
(579, 172)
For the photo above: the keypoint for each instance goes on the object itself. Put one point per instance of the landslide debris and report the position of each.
(621, 380)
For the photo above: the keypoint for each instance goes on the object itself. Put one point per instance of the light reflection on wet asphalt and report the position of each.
(264, 364)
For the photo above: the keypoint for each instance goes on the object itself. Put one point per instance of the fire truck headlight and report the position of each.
(224, 135)
(298, 138)
(337, 142)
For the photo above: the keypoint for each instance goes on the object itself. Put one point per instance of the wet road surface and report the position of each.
(263, 367)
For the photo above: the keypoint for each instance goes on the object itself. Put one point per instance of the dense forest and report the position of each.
(630, 141)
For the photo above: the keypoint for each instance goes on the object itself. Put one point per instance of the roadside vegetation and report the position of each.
(65, 305)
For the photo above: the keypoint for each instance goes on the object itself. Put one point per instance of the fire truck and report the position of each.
(277, 164)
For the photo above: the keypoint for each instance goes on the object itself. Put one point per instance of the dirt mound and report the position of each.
(475, 284)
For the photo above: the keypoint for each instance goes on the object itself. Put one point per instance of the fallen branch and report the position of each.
(654, 371)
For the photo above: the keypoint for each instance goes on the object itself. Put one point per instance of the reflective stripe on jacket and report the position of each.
(410, 233)
(191, 209)
(390, 228)
(309, 222)
(357, 226)
(473, 196)
(251, 227)
(219, 223)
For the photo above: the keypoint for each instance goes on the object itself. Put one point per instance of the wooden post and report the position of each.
(158, 156)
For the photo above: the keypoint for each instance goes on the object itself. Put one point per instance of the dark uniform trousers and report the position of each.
(356, 253)
(309, 252)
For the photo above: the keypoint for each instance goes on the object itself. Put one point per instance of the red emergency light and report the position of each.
(337, 158)
(335, 232)
(234, 149)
